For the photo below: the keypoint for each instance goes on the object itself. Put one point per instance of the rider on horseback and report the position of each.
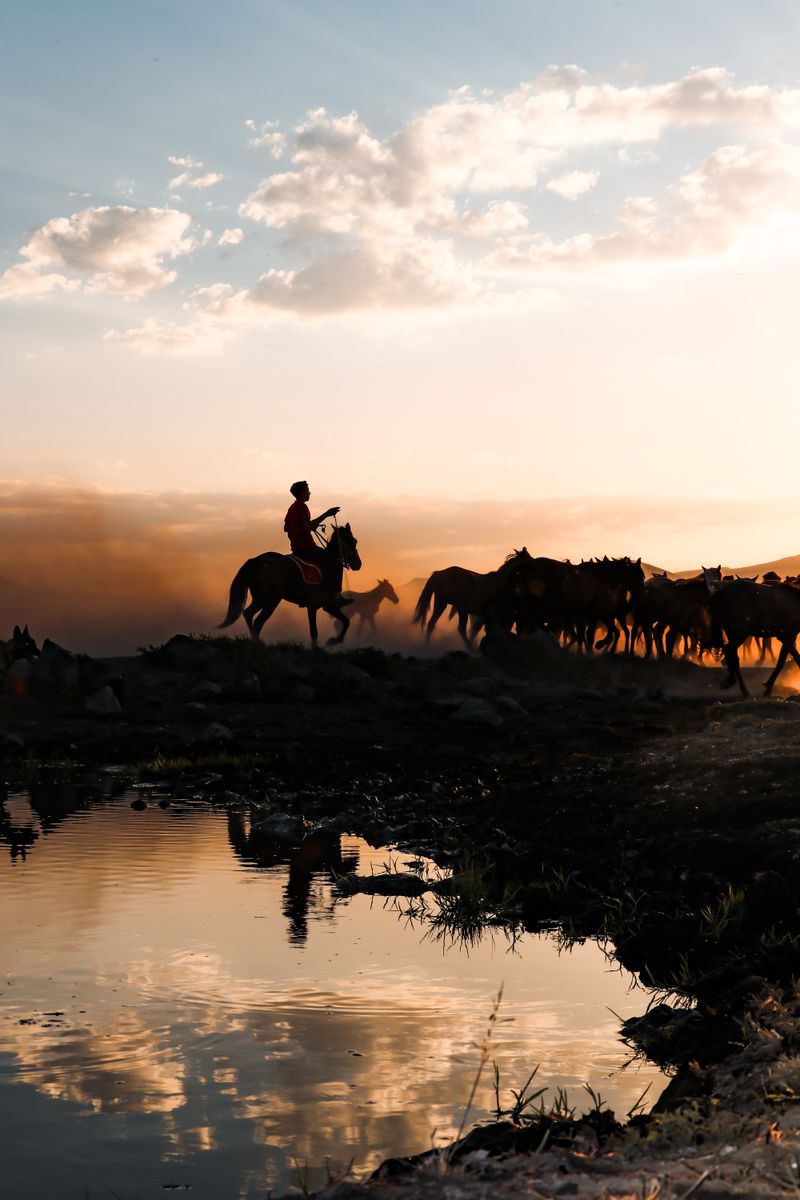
(300, 526)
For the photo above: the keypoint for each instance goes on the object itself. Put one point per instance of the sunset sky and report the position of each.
(534, 259)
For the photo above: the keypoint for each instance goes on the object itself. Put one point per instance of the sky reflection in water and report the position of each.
(181, 1006)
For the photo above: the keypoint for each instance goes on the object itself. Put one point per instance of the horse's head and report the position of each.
(344, 543)
(387, 592)
(712, 577)
(23, 645)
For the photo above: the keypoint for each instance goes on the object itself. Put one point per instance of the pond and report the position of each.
(183, 1007)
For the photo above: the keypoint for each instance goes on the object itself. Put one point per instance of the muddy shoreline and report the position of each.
(626, 801)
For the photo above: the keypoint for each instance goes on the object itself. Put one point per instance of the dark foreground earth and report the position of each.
(612, 799)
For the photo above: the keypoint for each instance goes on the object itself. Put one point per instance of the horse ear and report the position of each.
(25, 632)
(639, 561)
(17, 632)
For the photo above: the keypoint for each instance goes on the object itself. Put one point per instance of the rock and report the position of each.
(485, 686)
(206, 690)
(392, 883)
(138, 805)
(281, 827)
(302, 693)
(104, 703)
(216, 732)
(510, 706)
(192, 656)
(478, 712)
(58, 666)
(196, 706)
(247, 687)
(512, 652)
(351, 683)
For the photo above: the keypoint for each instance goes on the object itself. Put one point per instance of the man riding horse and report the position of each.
(300, 527)
(270, 578)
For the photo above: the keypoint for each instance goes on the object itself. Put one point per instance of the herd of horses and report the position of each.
(705, 614)
(605, 605)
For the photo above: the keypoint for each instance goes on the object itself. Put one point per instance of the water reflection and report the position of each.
(185, 1002)
(318, 852)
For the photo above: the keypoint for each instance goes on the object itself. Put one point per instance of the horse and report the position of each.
(468, 593)
(669, 609)
(743, 609)
(366, 604)
(572, 600)
(19, 645)
(272, 577)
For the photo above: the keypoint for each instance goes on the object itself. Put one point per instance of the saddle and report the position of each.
(311, 572)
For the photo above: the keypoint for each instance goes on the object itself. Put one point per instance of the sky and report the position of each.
(536, 260)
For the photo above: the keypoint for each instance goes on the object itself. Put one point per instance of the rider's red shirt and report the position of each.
(298, 526)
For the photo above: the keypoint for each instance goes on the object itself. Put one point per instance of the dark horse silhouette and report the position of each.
(19, 645)
(366, 604)
(469, 594)
(272, 577)
(743, 609)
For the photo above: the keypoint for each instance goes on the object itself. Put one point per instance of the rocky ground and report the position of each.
(616, 799)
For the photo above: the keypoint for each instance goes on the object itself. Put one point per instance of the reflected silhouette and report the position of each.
(319, 852)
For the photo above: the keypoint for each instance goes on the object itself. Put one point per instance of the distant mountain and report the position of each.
(781, 566)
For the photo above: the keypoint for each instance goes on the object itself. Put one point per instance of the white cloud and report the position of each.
(269, 136)
(353, 202)
(23, 282)
(573, 184)
(193, 338)
(231, 237)
(111, 249)
(736, 194)
(192, 174)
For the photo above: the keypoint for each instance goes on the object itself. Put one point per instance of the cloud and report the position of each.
(269, 136)
(736, 193)
(355, 209)
(231, 237)
(111, 249)
(190, 174)
(573, 184)
(193, 338)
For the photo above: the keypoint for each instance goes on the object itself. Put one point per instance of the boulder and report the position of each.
(478, 712)
(103, 703)
(392, 883)
(280, 827)
(509, 706)
(216, 732)
(206, 690)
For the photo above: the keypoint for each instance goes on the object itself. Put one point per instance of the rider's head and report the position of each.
(300, 490)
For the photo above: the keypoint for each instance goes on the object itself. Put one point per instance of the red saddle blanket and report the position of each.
(310, 571)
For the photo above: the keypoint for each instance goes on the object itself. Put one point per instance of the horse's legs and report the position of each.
(312, 624)
(338, 615)
(438, 608)
(247, 613)
(258, 624)
(734, 669)
(463, 618)
(785, 648)
(371, 619)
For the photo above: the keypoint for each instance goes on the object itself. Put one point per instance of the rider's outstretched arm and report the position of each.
(329, 512)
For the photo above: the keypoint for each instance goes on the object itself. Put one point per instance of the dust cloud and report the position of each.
(104, 573)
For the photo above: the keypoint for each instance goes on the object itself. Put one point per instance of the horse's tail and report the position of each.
(238, 596)
(423, 604)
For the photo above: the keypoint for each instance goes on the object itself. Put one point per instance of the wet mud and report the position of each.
(626, 801)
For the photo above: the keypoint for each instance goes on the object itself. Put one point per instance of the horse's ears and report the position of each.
(25, 632)
(17, 632)
(639, 561)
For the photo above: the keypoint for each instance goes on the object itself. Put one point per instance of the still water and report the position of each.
(184, 1007)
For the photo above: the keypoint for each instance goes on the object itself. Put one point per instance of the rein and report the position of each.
(336, 552)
